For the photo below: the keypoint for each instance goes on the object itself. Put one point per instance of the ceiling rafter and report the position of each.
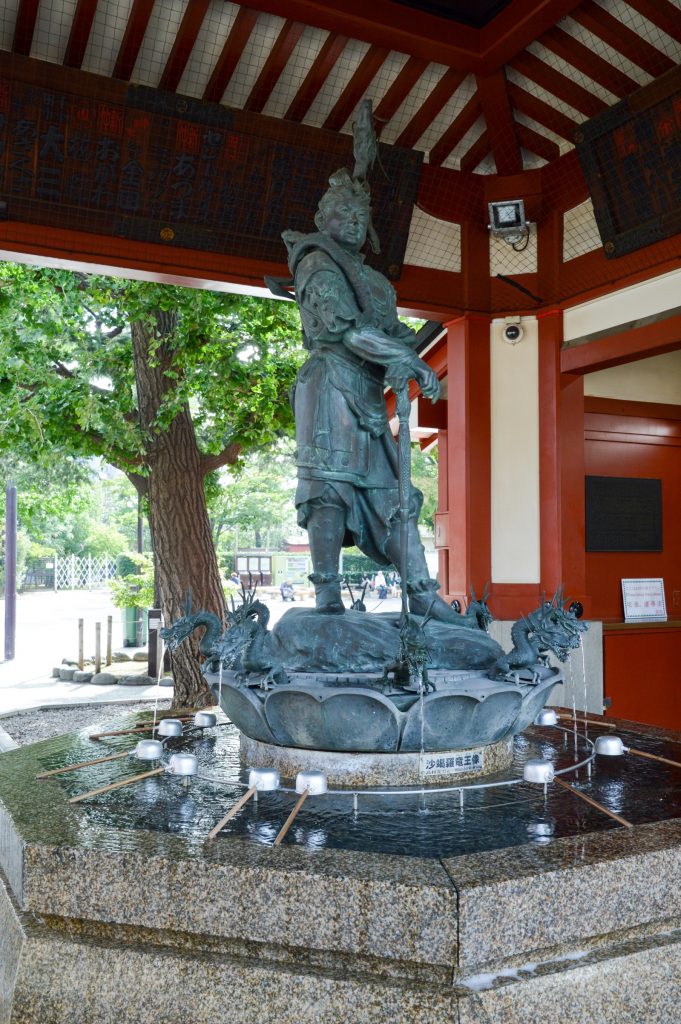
(24, 27)
(443, 91)
(481, 148)
(387, 24)
(398, 91)
(463, 123)
(557, 84)
(662, 13)
(622, 39)
(334, 45)
(233, 47)
(277, 60)
(185, 39)
(546, 115)
(501, 127)
(80, 33)
(138, 19)
(356, 87)
(536, 143)
(588, 62)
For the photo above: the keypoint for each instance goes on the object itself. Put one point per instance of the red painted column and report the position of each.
(468, 454)
(442, 506)
(561, 466)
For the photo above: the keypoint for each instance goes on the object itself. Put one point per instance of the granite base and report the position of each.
(108, 925)
(439, 768)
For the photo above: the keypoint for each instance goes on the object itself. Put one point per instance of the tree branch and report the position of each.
(227, 457)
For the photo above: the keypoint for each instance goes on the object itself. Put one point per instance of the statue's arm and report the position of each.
(329, 311)
(401, 363)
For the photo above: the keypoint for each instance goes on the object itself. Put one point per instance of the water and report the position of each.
(424, 823)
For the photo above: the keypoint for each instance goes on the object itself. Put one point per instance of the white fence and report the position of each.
(76, 572)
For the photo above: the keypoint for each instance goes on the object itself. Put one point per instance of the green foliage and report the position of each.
(356, 564)
(67, 376)
(135, 587)
(424, 476)
(258, 498)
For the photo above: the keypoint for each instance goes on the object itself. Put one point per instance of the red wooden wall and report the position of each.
(635, 439)
(642, 663)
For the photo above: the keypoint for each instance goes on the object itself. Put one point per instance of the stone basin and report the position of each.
(104, 919)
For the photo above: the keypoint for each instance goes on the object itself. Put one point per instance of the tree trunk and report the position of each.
(178, 517)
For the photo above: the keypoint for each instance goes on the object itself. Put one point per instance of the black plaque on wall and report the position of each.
(623, 514)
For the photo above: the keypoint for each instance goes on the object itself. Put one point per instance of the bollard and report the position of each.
(109, 638)
(98, 647)
(81, 652)
(154, 641)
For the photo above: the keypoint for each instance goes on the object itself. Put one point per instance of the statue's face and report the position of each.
(346, 221)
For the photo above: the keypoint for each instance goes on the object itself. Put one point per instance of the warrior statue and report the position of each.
(346, 455)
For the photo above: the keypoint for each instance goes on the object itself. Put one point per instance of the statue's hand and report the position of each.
(428, 382)
(399, 374)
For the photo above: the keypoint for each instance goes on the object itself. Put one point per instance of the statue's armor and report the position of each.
(345, 451)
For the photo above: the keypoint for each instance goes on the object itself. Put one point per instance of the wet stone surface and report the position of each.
(42, 723)
(428, 825)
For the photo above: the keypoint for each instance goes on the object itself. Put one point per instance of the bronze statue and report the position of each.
(346, 456)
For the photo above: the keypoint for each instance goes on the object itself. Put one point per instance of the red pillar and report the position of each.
(442, 509)
(561, 466)
(468, 454)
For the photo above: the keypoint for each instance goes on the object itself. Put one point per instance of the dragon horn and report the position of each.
(485, 593)
(187, 606)
(473, 597)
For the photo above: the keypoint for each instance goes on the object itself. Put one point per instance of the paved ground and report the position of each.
(47, 632)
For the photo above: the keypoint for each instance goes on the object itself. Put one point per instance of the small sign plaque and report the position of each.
(452, 762)
(644, 600)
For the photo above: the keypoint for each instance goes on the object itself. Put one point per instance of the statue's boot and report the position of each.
(327, 592)
(423, 600)
(421, 588)
(326, 529)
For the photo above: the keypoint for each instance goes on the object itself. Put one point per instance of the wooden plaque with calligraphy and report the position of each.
(151, 166)
(631, 158)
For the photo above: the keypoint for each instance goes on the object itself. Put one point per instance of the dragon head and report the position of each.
(555, 628)
(249, 609)
(183, 627)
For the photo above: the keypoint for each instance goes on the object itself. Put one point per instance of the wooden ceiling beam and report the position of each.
(398, 92)
(24, 27)
(462, 123)
(274, 65)
(588, 62)
(239, 34)
(80, 33)
(516, 26)
(496, 109)
(536, 143)
(557, 84)
(316, 76)
(138, 19)
(541, 112)
(184, 44)
(592, 17)
(481, 148)
(356, 87)
(662, 13)
(384, 23)
(445, 88)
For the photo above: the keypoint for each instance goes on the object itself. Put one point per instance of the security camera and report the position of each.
(512, 333)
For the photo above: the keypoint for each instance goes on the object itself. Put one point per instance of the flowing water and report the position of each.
(424, 823)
